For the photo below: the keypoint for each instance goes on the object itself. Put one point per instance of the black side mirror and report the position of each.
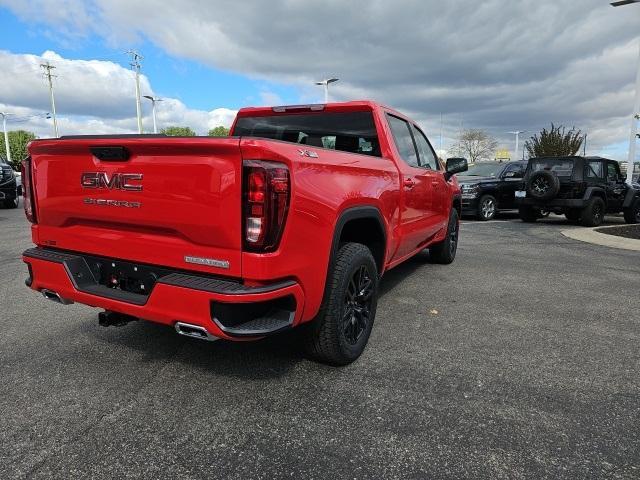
(455, 165)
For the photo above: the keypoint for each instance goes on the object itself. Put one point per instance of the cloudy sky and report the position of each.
(498, 65)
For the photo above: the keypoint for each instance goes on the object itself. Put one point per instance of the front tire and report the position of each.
(487, 207)
(445, 251)
(339, 333)
(632, 214)
(593, 214)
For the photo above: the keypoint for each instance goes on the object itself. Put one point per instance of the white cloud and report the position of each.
(92, 97)
(494, 64)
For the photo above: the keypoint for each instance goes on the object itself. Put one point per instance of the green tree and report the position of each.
(18, 140)
(219, 131)
(178, 131)
(556, 142)
(475, 145)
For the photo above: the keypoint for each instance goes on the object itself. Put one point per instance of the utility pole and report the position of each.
(6, 135)
(517, 134)
(153, 110)
(47, 73)
(135, 66)
(636, 106)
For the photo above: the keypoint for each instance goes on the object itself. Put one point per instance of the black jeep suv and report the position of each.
(490, 186)
(8, 186)
(581, 188)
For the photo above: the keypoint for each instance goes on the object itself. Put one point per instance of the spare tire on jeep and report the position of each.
(543, 185)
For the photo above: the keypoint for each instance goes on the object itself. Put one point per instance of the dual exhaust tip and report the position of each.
(194, 331)
(105, 319)
(55, 297)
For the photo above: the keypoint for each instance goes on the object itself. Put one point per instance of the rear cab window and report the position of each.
(353, 132)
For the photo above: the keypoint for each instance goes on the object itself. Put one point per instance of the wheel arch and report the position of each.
(361, 224)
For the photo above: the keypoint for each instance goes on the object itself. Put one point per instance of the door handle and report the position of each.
(409, 183)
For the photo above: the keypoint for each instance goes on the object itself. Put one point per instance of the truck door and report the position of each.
(616, 188)
(429, 162)
(417, 215)
(510, 181)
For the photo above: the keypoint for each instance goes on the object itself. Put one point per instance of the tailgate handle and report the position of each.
(110, 153)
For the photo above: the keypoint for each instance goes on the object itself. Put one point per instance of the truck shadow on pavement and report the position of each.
(271, 357)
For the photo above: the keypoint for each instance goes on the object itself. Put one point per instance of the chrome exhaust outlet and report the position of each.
(55, 297)
(194, 331)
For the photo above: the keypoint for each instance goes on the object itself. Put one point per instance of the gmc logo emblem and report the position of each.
(118, 181)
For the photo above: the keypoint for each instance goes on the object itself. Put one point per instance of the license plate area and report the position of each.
(521, 194)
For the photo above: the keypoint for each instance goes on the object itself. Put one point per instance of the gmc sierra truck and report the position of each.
(289, 222)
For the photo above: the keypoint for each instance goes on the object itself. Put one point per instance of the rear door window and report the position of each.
(595, 170)
(353, 132)
(404, 140)
(427, 156)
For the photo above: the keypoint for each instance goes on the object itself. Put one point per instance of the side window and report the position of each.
(514, 171)
(404, 142)
(594, 170)
(612, 171)
(427, 157)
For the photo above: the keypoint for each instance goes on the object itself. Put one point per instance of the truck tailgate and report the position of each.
(158, 200)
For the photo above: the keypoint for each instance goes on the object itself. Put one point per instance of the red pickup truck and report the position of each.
(290, 221)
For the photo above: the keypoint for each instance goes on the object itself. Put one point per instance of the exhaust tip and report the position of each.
(55, 297)
(194, 331)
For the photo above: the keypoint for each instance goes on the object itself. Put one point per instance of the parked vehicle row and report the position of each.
(583, 189)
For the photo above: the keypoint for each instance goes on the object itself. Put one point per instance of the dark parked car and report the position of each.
(489, 187)
(584, 189)
(9, 197)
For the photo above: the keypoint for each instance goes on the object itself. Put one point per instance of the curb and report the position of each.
(589, 235)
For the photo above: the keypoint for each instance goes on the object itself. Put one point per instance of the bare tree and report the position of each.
(555, 142)
(475, 145)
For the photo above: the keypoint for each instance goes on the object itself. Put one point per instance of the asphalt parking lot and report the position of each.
(520, 360)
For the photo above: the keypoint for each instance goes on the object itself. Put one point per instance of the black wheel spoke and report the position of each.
(357, 308)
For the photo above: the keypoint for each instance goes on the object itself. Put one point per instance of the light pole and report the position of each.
(517, 134)
(326, 83)
(153, 110)
(636, 107)
(6, 135)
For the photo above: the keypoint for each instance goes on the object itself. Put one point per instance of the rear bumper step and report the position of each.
(220, 307)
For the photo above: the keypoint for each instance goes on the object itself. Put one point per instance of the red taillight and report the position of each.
(266, 202)
(27, 191)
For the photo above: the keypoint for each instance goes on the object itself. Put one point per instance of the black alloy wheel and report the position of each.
(357, 305)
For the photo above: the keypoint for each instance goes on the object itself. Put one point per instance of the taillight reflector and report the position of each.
(27, 190)
(266, 202)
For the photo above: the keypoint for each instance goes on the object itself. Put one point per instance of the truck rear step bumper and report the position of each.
(224, 308)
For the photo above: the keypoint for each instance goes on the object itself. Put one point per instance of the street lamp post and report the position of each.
(153, 110)
(6, 135)
(636, 107)
(517, 134)
(326, 83)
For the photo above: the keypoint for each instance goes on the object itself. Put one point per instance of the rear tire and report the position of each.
(445, 251)
(12, 203)
(593, 214)
(528, 214)
(339, 333)
(632, 214)
(573, 215)
(487, 207)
